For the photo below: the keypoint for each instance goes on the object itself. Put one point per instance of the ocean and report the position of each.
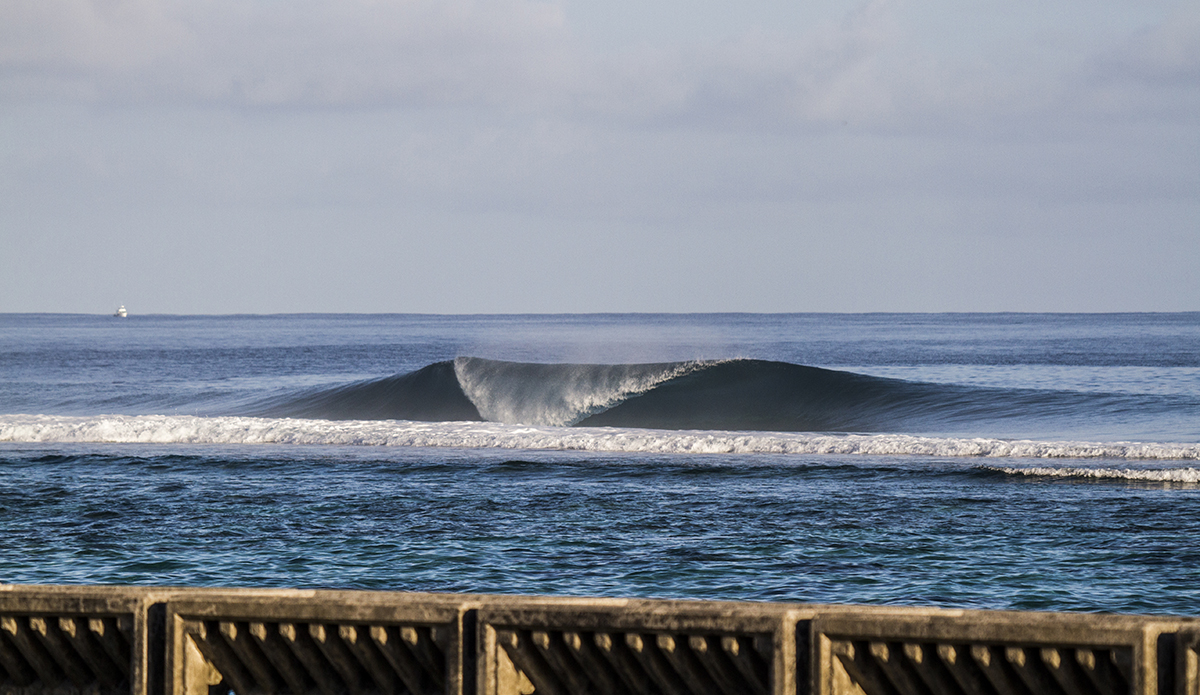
(1008, 461)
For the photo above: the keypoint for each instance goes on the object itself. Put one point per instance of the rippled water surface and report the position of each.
(822, 529)
(118, 481)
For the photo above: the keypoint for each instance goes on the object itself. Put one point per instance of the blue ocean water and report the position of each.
(989, 461)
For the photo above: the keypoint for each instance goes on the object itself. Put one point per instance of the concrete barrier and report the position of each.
(79, 639)
(66, 640)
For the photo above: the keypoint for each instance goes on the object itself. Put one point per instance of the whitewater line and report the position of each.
(172, 429)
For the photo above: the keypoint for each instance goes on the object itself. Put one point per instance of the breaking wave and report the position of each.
(711, 395)
(559, 394)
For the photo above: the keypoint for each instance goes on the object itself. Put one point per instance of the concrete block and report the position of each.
(932, 652)
(319, 642)
(85, 639)
(634, 646)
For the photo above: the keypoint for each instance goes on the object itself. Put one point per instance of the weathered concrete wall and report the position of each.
(67, 640)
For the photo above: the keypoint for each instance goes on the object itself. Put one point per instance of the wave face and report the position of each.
(430, 394)
(716, 395)
(762, 395)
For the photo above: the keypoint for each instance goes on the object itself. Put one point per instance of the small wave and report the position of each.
(164, 429)
(1161, 475)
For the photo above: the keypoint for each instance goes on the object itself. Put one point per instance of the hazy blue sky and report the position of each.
(222, 156)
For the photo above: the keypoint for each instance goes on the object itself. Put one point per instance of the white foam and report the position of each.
(166, 429)
(1158, 475)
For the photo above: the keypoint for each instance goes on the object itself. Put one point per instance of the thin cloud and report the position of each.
(346, 53)
(1152, 74)
(868, 71)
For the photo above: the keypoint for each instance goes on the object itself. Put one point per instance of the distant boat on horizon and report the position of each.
(121, 313)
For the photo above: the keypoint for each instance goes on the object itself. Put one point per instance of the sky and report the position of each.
(512, 156)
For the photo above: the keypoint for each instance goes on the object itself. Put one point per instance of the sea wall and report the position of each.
(76, 640)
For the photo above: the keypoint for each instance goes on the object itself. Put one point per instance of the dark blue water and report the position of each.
(1028, 461)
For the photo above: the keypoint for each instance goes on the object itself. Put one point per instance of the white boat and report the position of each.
(121, 312)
